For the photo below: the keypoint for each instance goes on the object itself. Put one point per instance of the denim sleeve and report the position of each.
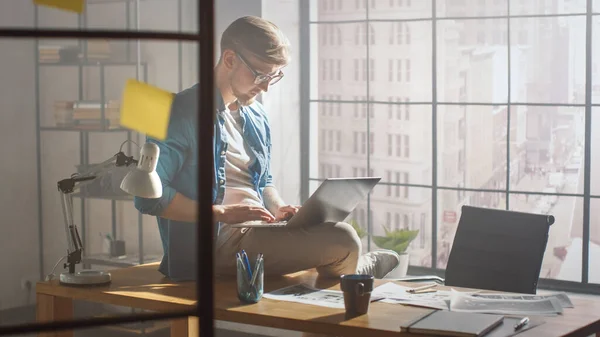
(172, 155)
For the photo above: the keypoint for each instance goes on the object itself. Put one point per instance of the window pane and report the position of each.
(471, 144)
(594, 244)
(352, 10)
(478, 73)
(416, 209)
(562, 258)
(458, 8)
(563, 39)
(575, 165)
(402, 60)
(345, 138)
(339, 69)
(449, 211)
(580, 83)
(394, 10)
(524, 7)
(405, 145)
(547, 149)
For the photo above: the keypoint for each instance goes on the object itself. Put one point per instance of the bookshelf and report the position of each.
(79, 58)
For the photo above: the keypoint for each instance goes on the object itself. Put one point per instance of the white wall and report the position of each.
(282, 103)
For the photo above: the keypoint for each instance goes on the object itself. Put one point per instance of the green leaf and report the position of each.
(397, 240)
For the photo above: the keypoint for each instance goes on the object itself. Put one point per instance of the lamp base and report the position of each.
(85, 278)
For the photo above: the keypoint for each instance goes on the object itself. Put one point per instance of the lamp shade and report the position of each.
(143, 181)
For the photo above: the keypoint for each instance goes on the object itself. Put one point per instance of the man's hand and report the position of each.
(286, 212)
(232, 214)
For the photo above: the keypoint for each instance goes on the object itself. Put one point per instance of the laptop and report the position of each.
(333, 201)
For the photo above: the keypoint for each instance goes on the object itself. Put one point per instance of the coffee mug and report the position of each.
(357, 290)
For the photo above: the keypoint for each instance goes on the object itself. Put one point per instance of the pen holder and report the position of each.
(248, 292)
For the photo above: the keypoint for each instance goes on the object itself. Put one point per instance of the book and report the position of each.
(450, 323)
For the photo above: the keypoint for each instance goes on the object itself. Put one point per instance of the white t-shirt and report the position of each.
(238, 183)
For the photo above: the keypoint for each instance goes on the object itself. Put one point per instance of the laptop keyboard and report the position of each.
(266, 223)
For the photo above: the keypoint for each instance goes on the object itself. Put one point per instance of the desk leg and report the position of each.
(185, 327)
(51, 308)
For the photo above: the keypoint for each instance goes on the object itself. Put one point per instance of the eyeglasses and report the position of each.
(261, 78)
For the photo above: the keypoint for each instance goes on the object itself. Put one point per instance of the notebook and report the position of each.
(450, 323)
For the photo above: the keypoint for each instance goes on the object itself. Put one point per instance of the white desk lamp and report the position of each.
(143, 181)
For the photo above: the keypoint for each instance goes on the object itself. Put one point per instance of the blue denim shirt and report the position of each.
(178, 170)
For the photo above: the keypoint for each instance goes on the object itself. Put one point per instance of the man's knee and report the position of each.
(345, 236)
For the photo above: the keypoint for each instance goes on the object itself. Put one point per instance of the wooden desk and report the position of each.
(144, 287)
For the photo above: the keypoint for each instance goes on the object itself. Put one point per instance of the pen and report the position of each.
(414, 290)
(259, 261)
(247, 262)
(424, 291)
(241, 262)
(522, 323)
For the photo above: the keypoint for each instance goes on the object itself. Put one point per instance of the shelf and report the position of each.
(90, 64)
(79, 129)
(117, 197)
(121, 261)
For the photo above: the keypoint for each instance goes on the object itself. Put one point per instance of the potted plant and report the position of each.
(398, 241)
(359, 230)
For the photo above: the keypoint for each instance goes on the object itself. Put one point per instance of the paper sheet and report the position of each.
(564, 300)
(397, 294)
(302, 293)
(69, 5)
(468, 303)
(146, 109)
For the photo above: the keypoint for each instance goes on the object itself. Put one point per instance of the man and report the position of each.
(253, 53)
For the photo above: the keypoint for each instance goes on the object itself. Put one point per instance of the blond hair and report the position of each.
(257, 36)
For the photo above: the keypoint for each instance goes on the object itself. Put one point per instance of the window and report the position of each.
(391, 70)
(422, 230)
(406, 146)
(406, 222)
(339, 70)
(330, 140)
(399, 70)
(407, 73)
(355, 69)
(323, 141)
(406, 109)
(397, 194)
(398, 145)
(371, 34)
(364, 69)
(389, 145)
(339, 106)
(402, 33)
(398, 108)
(364, 106)
(388, 219)
(331, 69)
(371, 70)
(406, 181)
(355, 142)
(390, 108)
(397, 221)
(371, 143)
(323, 70)
(388, 177)
(363, 147)
(371, 108)
(338, 141)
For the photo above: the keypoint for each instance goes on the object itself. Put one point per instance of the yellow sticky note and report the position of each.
(69, 5)
(146, 109)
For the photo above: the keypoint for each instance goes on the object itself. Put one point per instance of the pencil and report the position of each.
(414, 290)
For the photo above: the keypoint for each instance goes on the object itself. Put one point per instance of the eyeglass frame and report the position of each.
(260, 78)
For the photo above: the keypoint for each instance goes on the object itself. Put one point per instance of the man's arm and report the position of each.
(272, 200)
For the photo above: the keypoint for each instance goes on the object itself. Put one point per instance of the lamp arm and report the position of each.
(68, 186)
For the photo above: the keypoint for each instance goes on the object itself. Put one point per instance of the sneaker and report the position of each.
(378, 263)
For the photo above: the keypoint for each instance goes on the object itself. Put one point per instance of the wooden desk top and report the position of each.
(144, 287)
